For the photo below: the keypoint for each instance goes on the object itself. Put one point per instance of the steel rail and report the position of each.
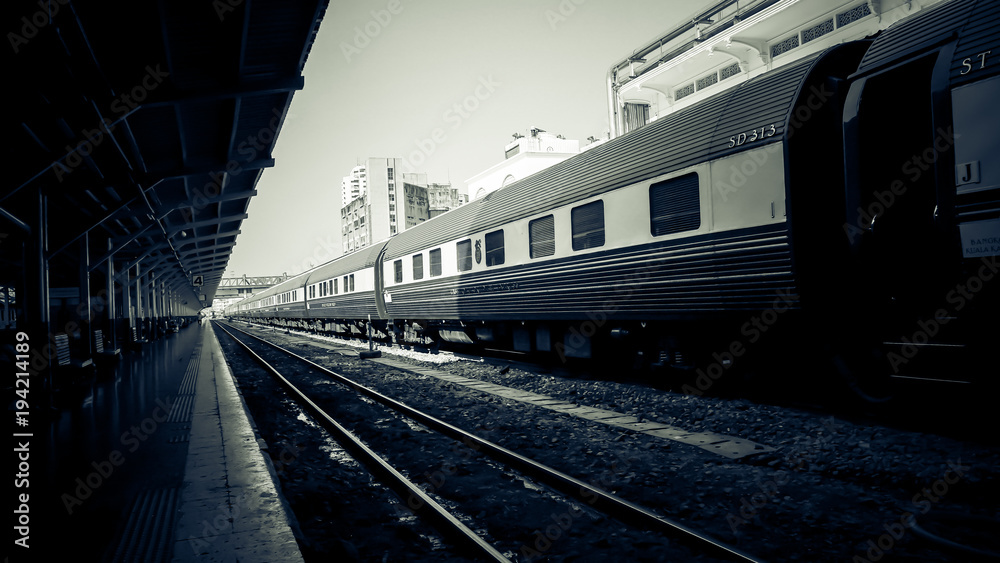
(591, 495)
(446, 522)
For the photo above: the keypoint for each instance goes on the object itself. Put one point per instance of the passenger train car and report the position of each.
(852, 197)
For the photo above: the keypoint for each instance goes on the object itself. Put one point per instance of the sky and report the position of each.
(443, 85)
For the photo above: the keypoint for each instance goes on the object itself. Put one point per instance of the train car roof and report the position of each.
(976, 24)
(676, 141)
(364, 258)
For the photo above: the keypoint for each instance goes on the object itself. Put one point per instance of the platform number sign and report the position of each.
(198, 280)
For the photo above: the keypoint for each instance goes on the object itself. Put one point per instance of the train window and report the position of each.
(542, 237)
(588, 225)
(435, 259)
(674, 205)
(397, 266)
(494, 248)
(464, 255)
(418, 267)
(352, 282)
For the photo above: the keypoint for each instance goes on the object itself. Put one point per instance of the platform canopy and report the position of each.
(140, 129)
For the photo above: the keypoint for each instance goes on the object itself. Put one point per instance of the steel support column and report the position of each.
(83, 310)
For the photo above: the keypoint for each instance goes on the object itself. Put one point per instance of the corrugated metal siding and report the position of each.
(361, 259)
(918, 32)
(743, 270)
(981, 34)
(671, 143)
(356, 305)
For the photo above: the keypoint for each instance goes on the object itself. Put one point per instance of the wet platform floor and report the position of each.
(157, 460)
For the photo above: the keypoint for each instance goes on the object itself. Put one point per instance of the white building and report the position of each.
(523, 157)
(354, 184)
(732, 42)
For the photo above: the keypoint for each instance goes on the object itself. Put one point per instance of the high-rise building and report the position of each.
(392, 201)
(354, 184)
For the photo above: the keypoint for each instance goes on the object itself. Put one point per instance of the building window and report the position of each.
(464, 249)
(674, 205)
(352, 282)
(435, 259)
(345, 284)
(397, 267)
(418, 267)
(494, 248)
(542, 237)
(389, 173)
(335, 288)
(588, 225)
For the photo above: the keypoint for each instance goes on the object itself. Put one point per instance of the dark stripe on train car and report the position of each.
(733, 271)
(350, 306)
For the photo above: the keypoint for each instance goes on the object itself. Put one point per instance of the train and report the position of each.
(848, 202)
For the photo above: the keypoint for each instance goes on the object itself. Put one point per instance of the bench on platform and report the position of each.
(63, 357)
(104, 356)
(69, 373)
(136, 343)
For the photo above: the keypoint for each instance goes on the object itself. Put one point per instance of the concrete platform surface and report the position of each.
(157, 460)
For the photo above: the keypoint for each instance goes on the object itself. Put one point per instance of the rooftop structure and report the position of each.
(731, 42)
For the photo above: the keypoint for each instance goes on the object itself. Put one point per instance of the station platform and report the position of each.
(157, 460)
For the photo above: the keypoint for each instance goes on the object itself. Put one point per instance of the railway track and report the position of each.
(577, 493)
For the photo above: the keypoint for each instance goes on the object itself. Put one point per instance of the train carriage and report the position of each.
(341, 294)
(855, 193)
(684, 220)
(923, 184)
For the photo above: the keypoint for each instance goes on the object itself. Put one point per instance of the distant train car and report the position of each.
(853, 195)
